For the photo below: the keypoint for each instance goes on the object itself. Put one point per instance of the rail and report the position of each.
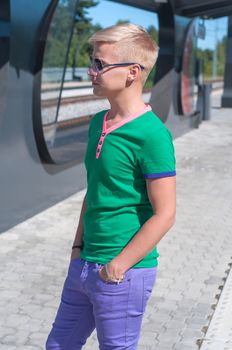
(78, 103)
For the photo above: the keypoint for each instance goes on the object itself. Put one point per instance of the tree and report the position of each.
(150, 80)
(61, 28)
(80, 49)
(153, 33)
(221, 55)
(207, 57)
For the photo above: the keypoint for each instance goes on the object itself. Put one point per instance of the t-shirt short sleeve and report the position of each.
(157, 158)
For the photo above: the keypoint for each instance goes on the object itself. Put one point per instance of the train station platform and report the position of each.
(190, 307)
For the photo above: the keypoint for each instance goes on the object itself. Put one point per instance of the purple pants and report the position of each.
(88, 302)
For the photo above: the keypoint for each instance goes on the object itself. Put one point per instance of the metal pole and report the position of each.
(214, 74)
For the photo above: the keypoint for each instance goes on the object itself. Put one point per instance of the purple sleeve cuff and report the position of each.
(159, 175)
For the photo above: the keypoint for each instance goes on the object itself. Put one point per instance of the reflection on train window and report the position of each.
(188, 88)
(67, 99)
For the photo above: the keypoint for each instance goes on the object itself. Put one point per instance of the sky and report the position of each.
(107, 13)
(215, 30)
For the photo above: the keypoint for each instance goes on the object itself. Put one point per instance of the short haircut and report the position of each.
(135, 44)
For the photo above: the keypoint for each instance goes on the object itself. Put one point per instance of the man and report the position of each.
(129, 204)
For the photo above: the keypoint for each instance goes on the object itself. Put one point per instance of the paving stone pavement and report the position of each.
(194, 255)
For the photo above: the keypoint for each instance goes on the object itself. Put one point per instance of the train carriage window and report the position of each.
(67, 100)
(53, 72)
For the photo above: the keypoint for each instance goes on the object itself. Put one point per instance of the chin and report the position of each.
(97, 91)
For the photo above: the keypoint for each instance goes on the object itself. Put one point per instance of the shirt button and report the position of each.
(98, 150)
(100, 143)
(103, 134)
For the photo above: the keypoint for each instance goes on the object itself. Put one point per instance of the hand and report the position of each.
(108, 276)
(103, 274)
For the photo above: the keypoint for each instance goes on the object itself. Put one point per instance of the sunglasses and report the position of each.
(98, 66)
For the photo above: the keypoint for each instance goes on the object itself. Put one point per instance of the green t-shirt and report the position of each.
(118, 160)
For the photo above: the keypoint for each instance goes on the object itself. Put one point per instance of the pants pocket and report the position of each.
(148, 284)
(125, 279)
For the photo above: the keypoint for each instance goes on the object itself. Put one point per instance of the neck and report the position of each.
(125, 104)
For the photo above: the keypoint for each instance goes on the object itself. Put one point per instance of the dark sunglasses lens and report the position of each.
(98, 64)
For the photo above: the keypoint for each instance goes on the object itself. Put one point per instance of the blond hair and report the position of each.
(135, 44)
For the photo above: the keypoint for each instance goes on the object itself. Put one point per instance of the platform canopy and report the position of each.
(187, 8)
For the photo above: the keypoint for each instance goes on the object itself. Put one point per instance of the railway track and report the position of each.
(78, 98)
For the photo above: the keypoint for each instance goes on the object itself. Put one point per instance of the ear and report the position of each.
(133, 73)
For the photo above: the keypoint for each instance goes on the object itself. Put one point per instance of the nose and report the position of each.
(92, 71)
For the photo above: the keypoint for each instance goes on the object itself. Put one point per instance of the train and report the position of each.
(46, 100)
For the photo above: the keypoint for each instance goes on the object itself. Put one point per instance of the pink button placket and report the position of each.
(100, 144)
(106, 131)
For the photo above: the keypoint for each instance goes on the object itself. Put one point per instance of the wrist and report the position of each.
(116, 267)
(78, 246)
(75, 253)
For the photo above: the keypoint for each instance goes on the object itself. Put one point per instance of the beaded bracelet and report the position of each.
(77, 246)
